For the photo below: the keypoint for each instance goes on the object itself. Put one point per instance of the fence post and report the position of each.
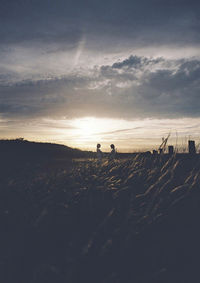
(170, 149)
(191, 147)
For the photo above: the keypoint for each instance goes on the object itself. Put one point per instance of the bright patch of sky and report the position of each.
(128, 136)
(81, 72)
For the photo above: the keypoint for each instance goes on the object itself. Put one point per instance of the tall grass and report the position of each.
(130, 220)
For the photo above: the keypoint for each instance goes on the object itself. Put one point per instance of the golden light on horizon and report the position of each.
(86, 132)
(127, 135)
(89, 130)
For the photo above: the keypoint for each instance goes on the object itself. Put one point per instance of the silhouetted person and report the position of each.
(99, 154)
(112, 153)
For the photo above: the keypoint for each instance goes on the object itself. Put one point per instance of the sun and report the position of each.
(86, 132)
(88, 128)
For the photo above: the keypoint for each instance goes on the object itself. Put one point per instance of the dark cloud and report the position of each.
(141, 21)
(151, 87)
(136, 62)
(38, 78)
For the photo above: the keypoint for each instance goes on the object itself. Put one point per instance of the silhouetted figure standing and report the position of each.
(99, 154)
(112, 153)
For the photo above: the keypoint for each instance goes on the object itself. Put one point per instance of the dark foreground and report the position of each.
(134, 220)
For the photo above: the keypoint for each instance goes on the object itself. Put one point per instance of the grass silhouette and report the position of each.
(131, 220)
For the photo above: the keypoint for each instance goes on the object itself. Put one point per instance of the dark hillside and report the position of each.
(24, 149)
(20, 158)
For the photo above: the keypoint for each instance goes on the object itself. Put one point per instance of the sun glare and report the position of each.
(89, 131)
(88, 128)
(126, 135)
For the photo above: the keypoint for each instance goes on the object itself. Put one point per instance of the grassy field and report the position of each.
(131, 220)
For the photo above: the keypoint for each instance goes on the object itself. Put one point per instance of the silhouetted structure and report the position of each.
(170, 149)
(162, 147)
(191, 147)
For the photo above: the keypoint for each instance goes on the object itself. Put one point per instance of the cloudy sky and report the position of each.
(81, 72)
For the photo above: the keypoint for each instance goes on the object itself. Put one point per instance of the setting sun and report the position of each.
(88, 131)
(87, 127)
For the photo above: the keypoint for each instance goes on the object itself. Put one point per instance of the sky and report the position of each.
(83, 72)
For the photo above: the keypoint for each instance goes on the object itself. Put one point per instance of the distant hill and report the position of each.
(24, 149)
